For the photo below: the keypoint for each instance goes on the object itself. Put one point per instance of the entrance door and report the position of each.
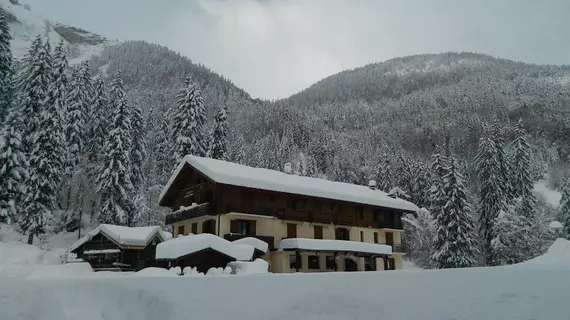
(350, 265)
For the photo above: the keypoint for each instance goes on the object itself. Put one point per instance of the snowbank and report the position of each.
(244, 268)
(24, 254)
(154, 272)
(62, 271)
(264, 179)
(182, 246)
(21, 299)
(334, 245)
(254, 242)
(557, 256)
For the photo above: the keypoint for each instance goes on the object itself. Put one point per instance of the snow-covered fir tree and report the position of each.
(564, 210)
(420, 230)
(455, 245)
(32, 85)
(13, 170)
(189, 119)
(114, 181)
(384, 174)
(99, 125)
(162, 148)
(78, 106)
(218, 141)
(521, 180)
(510, 236)
(138, 147)
(46, 168)
(492, 191)
(437, 196)
(60, 68)
(6, 71)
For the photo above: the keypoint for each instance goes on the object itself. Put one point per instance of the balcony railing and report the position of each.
(396, 247)
(188, 213)
(235, 236)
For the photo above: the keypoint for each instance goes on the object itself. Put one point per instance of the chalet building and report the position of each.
(309, 224)
(118, 248)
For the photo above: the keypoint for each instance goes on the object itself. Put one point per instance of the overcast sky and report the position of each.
(274, 48)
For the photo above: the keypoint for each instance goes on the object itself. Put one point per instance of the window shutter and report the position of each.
(234, 226)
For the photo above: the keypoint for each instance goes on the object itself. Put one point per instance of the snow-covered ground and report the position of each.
(552, 197)
(533, 290)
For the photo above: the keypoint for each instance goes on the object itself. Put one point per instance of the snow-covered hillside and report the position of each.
(25, 25)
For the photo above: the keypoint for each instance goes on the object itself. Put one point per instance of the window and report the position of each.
(342, 234)
(389, 238)
(272, 198)
(369, 264)
(359, 212)
(291, 230)
(331, 263)
(195, 228)
(244, 227)
(180, 230)
(375, 237)
(314, 262)
(318, 232)
(293, 261)
(209, 196)
(208, 226)
(361, 236)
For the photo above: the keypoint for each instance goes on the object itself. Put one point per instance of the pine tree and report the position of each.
(13, 170)
(384, 174)
(436, 195)
(46, 167)
(510, 236)
(454, 245)
(33, 82)
(6, 70)
(564, 210)
(138, 149)
(78, 106)
(492, 191)
(99, 120)
(114, 180)
(521, 180)
(162, 149)
(189, 119)
(218, 141)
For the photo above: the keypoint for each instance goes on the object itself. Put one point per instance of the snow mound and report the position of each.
(244, 268)
(254, 242)
(24, 254)
(557, 256)
(21, 299)
(154, 272)
(62, 271)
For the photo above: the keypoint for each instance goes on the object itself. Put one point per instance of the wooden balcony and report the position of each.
(235, 236)
(188, 213)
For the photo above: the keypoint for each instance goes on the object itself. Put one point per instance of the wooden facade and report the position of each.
(192, 186)
(104, 254)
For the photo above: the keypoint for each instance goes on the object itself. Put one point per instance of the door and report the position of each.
(389, 238)
(350, 265)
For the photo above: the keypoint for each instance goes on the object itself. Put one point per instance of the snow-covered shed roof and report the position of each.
(254, 242)
(124, 236)
(264, 179)
(185, 245)
(334, 245)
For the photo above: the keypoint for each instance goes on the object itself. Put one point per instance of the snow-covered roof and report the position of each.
(257, 178)
(182, 246)
(334, 245)
(254, 242)
(124, 236)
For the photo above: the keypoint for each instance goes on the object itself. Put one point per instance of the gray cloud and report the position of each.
(275, 48)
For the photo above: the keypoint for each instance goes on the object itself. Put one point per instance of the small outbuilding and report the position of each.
(117, 248)
(202, 251)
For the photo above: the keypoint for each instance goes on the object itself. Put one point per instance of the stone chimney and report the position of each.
(288, 169)
(372, 184)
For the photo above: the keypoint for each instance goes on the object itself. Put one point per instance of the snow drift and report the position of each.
(557, 256)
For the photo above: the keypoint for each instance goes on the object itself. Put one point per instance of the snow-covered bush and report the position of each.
(243, 267)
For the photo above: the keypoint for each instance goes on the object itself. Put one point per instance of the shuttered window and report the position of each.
(318, 232)
(314, 262)
(195, 228)
(291, 230)
(181, 230)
